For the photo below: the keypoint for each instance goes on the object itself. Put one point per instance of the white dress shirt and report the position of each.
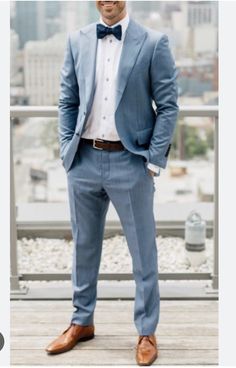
(101, 120)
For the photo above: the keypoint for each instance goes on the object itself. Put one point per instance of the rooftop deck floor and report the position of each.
(187, 333)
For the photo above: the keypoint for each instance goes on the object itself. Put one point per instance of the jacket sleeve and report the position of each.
(68, 106)
(163, 75)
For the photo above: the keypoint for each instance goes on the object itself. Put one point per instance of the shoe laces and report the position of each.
(146, 337)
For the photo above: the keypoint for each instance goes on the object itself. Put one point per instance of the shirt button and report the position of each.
(107, 79)
(110, 40)
(104, 117)
(105, 98)
(108, 59)
(102, 135)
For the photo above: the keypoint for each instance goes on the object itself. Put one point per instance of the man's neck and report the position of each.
(115, 20)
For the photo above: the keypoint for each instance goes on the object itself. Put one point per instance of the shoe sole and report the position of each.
(86, 338)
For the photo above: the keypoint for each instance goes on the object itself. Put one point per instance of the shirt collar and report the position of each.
(123, 22)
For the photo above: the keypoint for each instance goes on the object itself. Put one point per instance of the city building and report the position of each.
(42, 64)
(35, 20)
(13, 54)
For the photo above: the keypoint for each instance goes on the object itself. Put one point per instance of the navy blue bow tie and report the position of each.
(103, 31)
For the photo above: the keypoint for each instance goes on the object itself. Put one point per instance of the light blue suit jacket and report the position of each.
(146, 73)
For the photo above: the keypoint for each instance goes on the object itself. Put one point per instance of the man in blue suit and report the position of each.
(117, 114)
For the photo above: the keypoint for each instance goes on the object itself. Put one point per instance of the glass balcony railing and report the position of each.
(39, 205)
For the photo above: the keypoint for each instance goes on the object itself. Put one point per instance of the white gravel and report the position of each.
(55, 255)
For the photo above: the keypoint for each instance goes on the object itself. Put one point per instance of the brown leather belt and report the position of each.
(102, 144)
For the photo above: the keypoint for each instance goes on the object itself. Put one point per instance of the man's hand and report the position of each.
(153, 170)
(152, 173)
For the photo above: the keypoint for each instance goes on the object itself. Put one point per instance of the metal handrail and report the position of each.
(52, 111)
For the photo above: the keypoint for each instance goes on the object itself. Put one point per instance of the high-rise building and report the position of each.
(25, 21)
(13, 53)
(75, 14)
(36, 20)
(202, 13)
(42, 64)
(191, 23)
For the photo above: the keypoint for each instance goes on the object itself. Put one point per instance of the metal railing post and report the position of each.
(14, 279)
(215, 275)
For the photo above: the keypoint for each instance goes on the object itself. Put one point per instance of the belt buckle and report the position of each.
(94, 143)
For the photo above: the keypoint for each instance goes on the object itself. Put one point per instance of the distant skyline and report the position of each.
(39, 20)
(39, 30)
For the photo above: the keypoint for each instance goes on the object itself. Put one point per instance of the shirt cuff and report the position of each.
(154, 168)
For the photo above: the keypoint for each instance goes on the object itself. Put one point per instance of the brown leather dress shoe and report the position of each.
(69, 338)
(146, 350)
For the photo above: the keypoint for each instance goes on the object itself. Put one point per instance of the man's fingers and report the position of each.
(151, 172)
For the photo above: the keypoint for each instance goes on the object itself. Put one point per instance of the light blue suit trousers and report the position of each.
(95, 178)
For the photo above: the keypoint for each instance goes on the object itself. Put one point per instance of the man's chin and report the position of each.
(108, 16)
